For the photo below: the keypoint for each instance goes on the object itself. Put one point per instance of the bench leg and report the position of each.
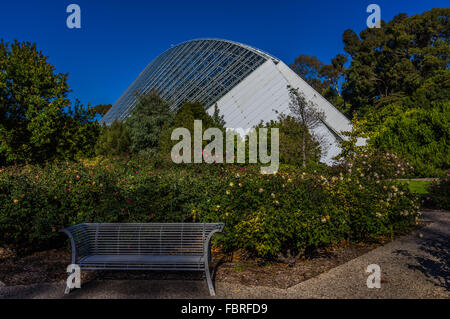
(209, 281)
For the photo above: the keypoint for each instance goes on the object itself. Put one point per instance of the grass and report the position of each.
(418, 187)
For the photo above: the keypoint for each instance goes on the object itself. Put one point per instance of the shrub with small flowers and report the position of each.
(292, 212)
(284, 214)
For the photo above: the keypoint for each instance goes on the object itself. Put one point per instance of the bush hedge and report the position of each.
(268, 215)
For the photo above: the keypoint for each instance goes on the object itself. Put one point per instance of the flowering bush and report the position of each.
(291, 212)
(270, 216)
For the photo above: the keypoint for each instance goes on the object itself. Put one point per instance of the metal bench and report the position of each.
(152, 246)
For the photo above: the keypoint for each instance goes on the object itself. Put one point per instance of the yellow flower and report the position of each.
(231, 184)
(15, 201)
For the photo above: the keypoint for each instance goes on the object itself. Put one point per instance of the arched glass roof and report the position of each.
(201, 70)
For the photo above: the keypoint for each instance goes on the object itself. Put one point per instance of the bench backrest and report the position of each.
(143, 239)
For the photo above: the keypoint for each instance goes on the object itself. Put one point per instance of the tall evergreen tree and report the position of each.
(146, 121)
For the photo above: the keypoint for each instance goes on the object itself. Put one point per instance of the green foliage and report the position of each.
(398, 82)
(393, 61)
(37, 121)
(291, 133)
(113, 140)
(419, 135)
(292, 212)
(150, 114)
(217, 118)
(268, 215)
(309, 68)
(101, 109)
(184, 118)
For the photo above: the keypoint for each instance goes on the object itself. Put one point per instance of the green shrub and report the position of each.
(270, 216)
(293, 212)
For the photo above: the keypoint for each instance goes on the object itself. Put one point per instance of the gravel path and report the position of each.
(413, 266)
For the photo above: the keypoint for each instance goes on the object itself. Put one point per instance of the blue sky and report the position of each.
(119, 38)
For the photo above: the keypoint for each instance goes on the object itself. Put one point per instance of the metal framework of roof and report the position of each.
(201, 70)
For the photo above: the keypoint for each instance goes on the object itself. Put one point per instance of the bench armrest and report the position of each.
(207, 245)
(78, 241)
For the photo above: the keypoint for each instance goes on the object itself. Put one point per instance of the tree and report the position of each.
(101, 109)
(353, 145)
(37, 120)
(327, 79)
(292, 133)
(334, 72)
(184, 118)
(391, 62)
(114, 140)
(78, 132)
(306, 114)
(218, 119)
(398, 82)
(308, 68)
(146, 121)
(420, 136)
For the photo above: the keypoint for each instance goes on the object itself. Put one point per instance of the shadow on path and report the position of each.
(434, 259)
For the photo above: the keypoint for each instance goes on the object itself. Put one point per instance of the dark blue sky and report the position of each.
(119, 38)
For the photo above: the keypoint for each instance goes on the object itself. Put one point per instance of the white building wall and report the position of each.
(265, 90)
